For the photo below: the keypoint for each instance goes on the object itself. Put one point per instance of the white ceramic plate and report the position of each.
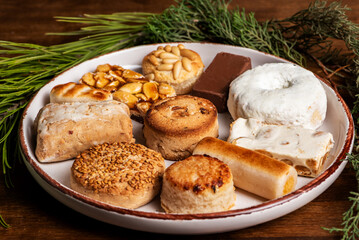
(249, 209)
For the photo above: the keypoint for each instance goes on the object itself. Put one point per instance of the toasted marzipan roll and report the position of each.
(252, 171)
(197, 184)
(66, 129)
(77, 92)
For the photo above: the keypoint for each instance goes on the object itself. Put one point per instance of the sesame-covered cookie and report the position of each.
(123, 174)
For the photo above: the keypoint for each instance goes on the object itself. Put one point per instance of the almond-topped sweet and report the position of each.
(111, 77)
(176, 65)
(123, 174)
(173, 126)
(128, 86)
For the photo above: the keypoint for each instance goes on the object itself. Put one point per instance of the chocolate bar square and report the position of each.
(214, 82)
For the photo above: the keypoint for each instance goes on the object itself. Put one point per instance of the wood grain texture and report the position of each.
(34, 214)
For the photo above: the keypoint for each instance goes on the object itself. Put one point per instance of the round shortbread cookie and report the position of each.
(173, 126)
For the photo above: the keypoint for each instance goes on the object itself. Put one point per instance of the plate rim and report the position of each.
(341, 159)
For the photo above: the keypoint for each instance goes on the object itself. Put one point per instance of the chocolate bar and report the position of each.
(214, 82)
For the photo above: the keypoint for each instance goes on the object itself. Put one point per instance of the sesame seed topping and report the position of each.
(107, 167)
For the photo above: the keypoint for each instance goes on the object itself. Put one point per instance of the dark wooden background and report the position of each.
(34, 214)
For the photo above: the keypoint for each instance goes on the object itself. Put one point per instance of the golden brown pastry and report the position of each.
(252, 171)
(198, 184)
(111, 77)
(176, 65)
(66, 129)
(123, 174)
(77, 92)
(173, 126)
(129, 87)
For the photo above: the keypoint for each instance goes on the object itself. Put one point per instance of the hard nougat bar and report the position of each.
(304, 149)
(213, 84)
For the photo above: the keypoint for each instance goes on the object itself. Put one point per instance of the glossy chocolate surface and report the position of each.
(214, 82)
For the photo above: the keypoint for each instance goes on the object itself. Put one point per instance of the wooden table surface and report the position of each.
(34, 214)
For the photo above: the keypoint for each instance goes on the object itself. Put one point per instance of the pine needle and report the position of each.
(3, 223)
(350, 222)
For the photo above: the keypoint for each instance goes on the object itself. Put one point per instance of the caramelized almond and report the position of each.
(103, 68)
(125, 97)
(141, 96)
(112, 86)
(150, 76)
(131, 74)
(88, 79)
(143, 107)
(136, 80)
(150, 91)
(166, 89)
(101, 80)
(117, 76)
(132, 88)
